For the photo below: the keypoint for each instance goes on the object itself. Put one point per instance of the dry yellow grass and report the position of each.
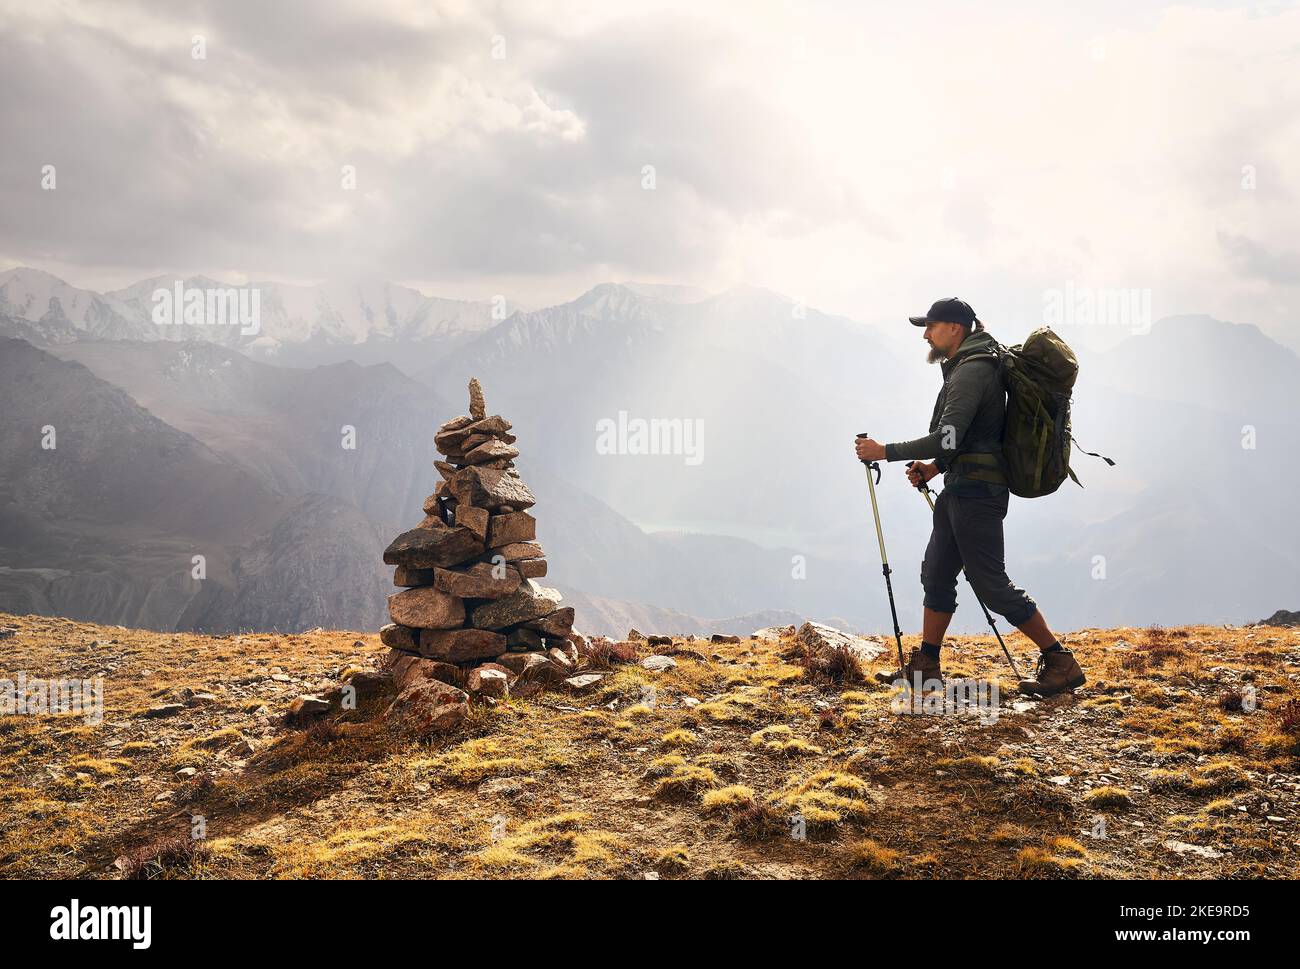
(747, 783)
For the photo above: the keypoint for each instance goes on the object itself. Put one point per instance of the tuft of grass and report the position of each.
(685, 781)
(1213, 778)
(780, 739)
(1219, 776)
(502, 857)
(1109, 796)
(1231, 700)
(855, 696)
(873, 857)
(477, 760)
(1288, 718)
(758, 821)
(1009, 834)
(1275, 743)
(1165, 781)
(678, 738)
(177, 856)
(737, 707)
(675, 859)
(665, 765)
(595, 848)
(1067, 846)
(560, 834)
(603, 654)
(826, 799)
(727, 799)
(1041, 863)
(99, 767)
(220, 740)
(833, 666)
(726, 870)
(973, 764)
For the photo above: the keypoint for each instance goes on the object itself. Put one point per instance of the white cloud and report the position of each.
(858, 157)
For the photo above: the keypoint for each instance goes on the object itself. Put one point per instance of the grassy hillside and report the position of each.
(623, 782)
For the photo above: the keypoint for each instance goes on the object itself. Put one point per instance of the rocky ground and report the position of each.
(725, 760)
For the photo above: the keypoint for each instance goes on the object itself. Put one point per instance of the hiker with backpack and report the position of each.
(984, 457)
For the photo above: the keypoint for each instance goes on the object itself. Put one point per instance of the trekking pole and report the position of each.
(924, 488)
(884, 559)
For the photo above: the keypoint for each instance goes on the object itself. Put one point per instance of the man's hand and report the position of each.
(869, 450)
(918, 473)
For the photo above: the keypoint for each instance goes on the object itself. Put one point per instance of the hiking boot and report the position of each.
(1057, 672)
(918, 662)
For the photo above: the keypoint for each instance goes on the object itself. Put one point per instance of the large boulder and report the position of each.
(518, 551)
(400, 637)
(494, 426)
(817, 639)
(558, 623)
(365, 685)
(475, 519)
(409, 578)
(520, 663)
(461, 645)
(529, 601)
(531, 568)
(523, 640)
(306, 709)
(518, 526)
(491, 450)
(490, 488)
(483, 580)
(427, 707)
(484, 681)
(426, 548)
(406, 671)
(426, 608)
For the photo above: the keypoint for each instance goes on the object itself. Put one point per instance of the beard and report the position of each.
(935, 355)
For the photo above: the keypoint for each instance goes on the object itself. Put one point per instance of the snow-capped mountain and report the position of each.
(59, 313)
(366, 321)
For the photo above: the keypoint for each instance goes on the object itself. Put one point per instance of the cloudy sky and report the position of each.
(863, 158)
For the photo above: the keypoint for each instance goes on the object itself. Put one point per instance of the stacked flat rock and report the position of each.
(468, 570)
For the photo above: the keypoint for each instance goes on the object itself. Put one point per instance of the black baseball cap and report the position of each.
(950, 310)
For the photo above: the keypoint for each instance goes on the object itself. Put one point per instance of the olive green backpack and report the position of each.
(1039, 377)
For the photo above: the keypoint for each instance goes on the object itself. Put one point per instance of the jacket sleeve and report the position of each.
(965, 390)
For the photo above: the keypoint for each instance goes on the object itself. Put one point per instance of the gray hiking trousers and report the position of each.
(968, 533)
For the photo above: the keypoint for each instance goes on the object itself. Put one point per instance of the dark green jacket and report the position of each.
(973, 403)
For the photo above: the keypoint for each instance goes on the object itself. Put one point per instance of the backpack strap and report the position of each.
(978, 466)
(1092, 454)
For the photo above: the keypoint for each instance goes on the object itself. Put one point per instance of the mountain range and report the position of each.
(363, 322)
(235, 448)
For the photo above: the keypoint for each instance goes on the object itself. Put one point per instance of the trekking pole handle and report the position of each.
(871, 465)
(921, 485)
(924, 487)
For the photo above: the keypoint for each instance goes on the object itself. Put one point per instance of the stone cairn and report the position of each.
(470, 615)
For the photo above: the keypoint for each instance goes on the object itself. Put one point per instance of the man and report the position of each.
(965, 443)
